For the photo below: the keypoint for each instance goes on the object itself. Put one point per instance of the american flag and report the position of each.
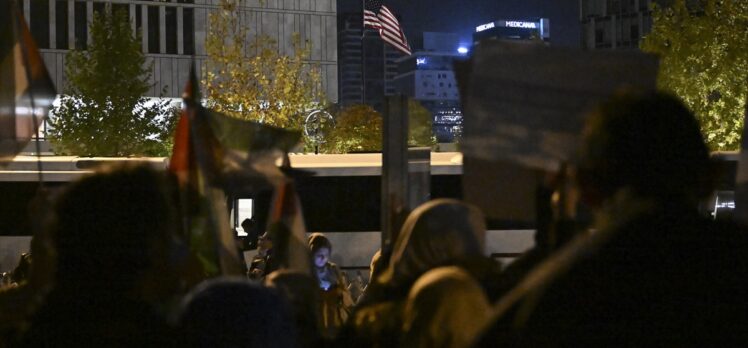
(378, 16)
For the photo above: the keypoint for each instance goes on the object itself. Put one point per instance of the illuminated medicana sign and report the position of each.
(483, 27)
(516, 24)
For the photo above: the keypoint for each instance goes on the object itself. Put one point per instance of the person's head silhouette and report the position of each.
(112, 226)
(647, 143)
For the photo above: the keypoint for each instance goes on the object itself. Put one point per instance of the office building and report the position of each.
(616, 24)
(428, 77)
(513, 29)
(367, 66)
(174, 31)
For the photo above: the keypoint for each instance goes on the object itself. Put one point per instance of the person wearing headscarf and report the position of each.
(336, 300)
(441, 232)
(445, 308)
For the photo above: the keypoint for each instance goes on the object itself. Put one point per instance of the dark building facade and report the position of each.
(512, 29)
(610, 24)
(367, 66)
(619, 24)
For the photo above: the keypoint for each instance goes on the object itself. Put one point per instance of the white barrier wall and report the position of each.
(11, 249)
(349, 249)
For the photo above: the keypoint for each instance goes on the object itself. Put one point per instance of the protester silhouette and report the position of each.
(654, 271)
(441, 232)
(112, 234)
(21, 300)
(227, 312)
(264, 262)
(445, 308)
(301, 292)
(250, 228)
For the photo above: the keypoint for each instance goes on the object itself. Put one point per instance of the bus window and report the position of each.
(243, 211)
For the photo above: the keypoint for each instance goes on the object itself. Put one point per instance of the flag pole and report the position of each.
(363, 53)
(27, 64)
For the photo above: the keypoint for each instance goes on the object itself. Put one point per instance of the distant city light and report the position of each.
(516, 24)
(462, 50)
(486, 26)
(420, 61)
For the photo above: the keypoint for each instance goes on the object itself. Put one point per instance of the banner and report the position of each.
(524, 112)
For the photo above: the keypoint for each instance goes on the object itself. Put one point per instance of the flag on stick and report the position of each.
(288, 231)
(195, 159)
(214, 155)
(27, 90)
(378, 16)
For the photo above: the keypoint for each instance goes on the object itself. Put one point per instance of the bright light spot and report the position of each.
(420, 61)
(462, 50)
(486, 26)
(517, 24)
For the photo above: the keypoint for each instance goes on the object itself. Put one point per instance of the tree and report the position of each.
(420, 132)
(704, 61)
(266, 86)
(103, 111)
(358, 128)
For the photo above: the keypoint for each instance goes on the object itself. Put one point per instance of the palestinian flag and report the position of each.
(213, 155)
(288, 231)
(26, 92)
(195, 162)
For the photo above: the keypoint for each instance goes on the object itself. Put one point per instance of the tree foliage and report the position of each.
(358, 128)
(103, 111)
(704, 61)
(256, 81)
(420, 132)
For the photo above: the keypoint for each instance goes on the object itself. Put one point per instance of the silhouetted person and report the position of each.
(301, 292)
(235, 313)
(264, 262)
(445, 309)
(441, 232)
(112, 238)
(654, 271)
(250, 228)
(550, 235)
(21, 272)
(20, 301)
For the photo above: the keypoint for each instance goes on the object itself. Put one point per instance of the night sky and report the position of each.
(463, 16)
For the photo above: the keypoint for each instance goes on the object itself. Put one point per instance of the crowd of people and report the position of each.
(110, 270)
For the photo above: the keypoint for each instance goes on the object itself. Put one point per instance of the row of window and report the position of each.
(40, 23)
(633, 35)
(441, 84)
